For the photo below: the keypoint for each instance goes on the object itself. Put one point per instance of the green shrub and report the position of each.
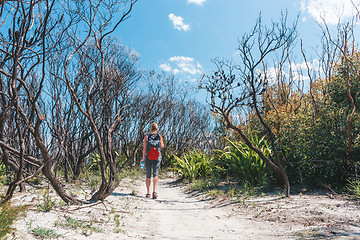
(35, 181)
(91, 173)
(239, 161)
(8, 214)
(2, 168)
(193, 165)
(3, 178)
(47, 202)
(354, 189)
(94, 164)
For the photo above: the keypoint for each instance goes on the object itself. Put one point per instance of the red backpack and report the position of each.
(153, 154)
(154, 143)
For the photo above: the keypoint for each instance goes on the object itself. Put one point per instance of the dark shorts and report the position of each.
(152, 165)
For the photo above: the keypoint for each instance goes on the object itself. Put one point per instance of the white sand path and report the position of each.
(177, 215)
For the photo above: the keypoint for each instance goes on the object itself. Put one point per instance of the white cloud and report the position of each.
(314, 65)
(295, 72)
(301, 71)
(186, 64)
(197, 2)
(181, 64)
(330, 11)
(178, 23)
(300, 77)
(165, 67)
(190, 80)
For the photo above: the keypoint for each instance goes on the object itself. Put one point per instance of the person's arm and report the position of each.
(144, 149)
(161, 142)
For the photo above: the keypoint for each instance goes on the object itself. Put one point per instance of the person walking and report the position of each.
(153, 143)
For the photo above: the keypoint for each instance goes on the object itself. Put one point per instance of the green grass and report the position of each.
(119, 225)
(92, 177)
(8, 214)
(130, 172)
(215, 189)
(71, 223)
(204, 184)
(86, 228)
(44, 233)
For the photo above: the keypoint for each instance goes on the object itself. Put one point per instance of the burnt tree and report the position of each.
(237, 88)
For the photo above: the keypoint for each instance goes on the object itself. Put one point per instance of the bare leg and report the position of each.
(148, 182)
(155, 181)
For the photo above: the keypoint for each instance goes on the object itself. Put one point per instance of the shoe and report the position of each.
(155, 195)
(147, 195)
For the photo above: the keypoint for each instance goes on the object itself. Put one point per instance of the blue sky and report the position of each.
(182, 36)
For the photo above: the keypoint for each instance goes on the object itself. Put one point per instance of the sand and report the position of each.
(180, 214)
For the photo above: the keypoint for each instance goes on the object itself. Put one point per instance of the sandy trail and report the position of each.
(176, 214)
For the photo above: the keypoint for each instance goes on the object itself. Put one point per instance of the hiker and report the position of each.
(153, 143)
